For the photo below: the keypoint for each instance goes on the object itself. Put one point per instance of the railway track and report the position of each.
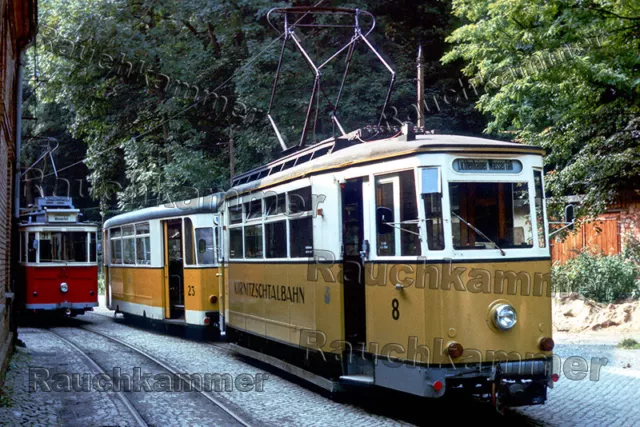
(376, 401)
(137, 417)
(237, 418)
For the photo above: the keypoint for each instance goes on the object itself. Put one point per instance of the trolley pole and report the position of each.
(420, 88)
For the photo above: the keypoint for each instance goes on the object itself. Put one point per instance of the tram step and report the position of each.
(358, 366)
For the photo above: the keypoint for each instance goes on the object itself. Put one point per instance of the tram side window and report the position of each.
(204, 237)
(116, 246)
(93, 244)
(235, 243)
(143, 244)
(385, 211)
(275, 205)
(432, 198)
(300, 201)
(23, 246)
(253, 209)
(397, 215)
(301, 237)
(276, 239)
(32, 248)
(253, 241)
(409, 232)
(189, 258)
(235, 214)
(128, 245)
(537, 177)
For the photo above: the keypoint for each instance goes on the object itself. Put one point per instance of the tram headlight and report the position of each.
(505, 317)
(64, 287)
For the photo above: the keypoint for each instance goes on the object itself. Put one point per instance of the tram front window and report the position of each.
(490, 215)
(63, 247)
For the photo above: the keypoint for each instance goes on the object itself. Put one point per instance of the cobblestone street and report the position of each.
(282, 400)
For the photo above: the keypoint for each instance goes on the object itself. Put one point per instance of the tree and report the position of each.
(563, 75)
(155, 88)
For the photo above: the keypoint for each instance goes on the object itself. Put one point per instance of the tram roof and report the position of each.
(206, 204)
(361, 152)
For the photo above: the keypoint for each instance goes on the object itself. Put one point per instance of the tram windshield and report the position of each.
(490, 215)
(66, 246)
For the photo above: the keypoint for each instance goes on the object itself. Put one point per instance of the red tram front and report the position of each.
(58, 259)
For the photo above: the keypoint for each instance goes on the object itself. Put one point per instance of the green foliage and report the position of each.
(102, 290)
(599, 277)
(146, 141)
(562, 75)
(629, 344)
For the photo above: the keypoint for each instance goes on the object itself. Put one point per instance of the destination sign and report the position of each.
(487, 166)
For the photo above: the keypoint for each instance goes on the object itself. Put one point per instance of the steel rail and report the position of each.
(125, 401)
(143, 353)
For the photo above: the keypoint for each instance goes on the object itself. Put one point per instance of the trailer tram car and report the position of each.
(419, 263)
(163, 265)
(58, 259)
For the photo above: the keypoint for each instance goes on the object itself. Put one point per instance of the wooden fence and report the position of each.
(602, 234)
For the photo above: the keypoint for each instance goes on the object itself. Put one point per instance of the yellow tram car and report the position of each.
(418, 263)
(162, 263)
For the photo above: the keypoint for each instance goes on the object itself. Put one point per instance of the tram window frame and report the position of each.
(303, 159)
(23, 246)
(539, 207)
(69, 247)
(254, 243)
(219, 255)
(210, 246)
(297, 246)
(234, 246)
(275, 241)
(93, 246)
(303, 194)
(285, 208)
(128, 245)
(431, 193)
(188, 242)
(280, 202)
(406, 240)
(474, 202)
(321, 152)
(233, 214)
(115, 235)
(253, 209)
(32, 250)
(143, 243)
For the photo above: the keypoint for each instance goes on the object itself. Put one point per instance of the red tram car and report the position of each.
(58, 259)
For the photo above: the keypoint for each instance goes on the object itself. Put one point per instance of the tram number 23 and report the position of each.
(191, 291)
(395, 309)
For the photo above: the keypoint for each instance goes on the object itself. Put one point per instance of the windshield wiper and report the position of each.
(479, 232)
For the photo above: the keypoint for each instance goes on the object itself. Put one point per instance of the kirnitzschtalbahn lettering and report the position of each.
(294, 294)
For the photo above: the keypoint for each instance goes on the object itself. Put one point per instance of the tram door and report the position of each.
(174, 269)
(353, 263)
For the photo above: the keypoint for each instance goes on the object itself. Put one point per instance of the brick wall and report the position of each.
(17, 28)
(630, 223)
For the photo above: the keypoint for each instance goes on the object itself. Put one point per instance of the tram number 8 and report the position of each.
(395, 309)
(192, 291)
